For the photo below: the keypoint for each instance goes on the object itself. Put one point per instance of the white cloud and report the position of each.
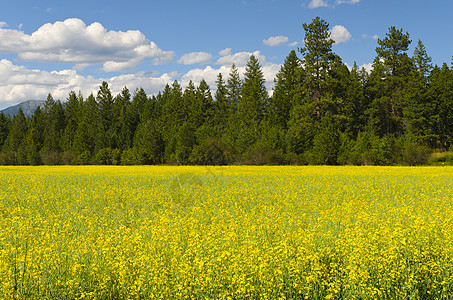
(72, 41)
(113, 66)
(293, 44)
(240, 59)
(340, 34)
(225, 52)
(348, 1)
(375, 37)
(3, 24)
(317, 3)
(275, 41)
(368, 67)
(17, 83)
(195, 58)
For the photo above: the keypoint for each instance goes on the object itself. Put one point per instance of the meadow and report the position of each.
(162, 232)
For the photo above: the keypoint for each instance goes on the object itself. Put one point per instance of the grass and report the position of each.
(226, 232)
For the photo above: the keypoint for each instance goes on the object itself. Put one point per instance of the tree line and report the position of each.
(320, 112)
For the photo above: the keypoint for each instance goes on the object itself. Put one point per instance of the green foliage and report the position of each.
(107, 156)
(209, 152)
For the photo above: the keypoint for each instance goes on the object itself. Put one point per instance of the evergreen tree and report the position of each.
(223, 107)
(72, 111)
(234, 88)
(326, 143)
(318, 56)
(106, 131)
(149, 144)
(86, 134)
(55, 125)
(3, 129)
(417, 112)
(190, 100)
(16, 140)
(35, 138)
(440, 108)
(356, 96)
(287, 91)
(123, 119)
(252, 105)
(422, 61)
(203, 107)
(391, 72)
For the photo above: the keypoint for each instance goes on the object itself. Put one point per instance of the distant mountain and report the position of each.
(28, 107)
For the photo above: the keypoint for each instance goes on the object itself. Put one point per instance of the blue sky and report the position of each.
(59, 46)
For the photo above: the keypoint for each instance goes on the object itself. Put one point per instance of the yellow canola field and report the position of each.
(161, 232)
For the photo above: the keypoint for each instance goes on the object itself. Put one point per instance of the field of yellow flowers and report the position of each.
(161, 232)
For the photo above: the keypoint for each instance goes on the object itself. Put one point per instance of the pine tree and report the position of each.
(287, 91)
(149, 144)
(253, 104)
(416, 112)
(72, 111)
(35, 138)
(55, 125)
(422, 60)
(204, 104)
(87, 130)
(392, 52)
(16, 140)
(440, 108)
(389, 79)
(356, 96)
(3, 129)
(123, 119)
(223, 107)
(318, 56)
(234, 88)
(106, 131)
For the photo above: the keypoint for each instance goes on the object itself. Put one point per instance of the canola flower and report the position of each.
(160, 232)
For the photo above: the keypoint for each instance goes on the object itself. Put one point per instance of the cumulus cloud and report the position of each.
(195, 58)
(293, 44)
(317, 3)
(340, 34)
(375, 37)
(72, 41)
(18, 83)
(3, 25)
(275, 41)
(225, 52)
(368, 67)
(240, 59)
(348, 1)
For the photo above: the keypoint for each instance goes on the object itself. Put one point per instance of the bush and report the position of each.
(441, 158)
(108, 156)
(129, 157)
(51, 158)
(415, 154)
(261, 153)
(67, 158)
(8, 158)
(209, 152)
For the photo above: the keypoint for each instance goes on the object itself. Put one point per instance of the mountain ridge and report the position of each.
(28, 107)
